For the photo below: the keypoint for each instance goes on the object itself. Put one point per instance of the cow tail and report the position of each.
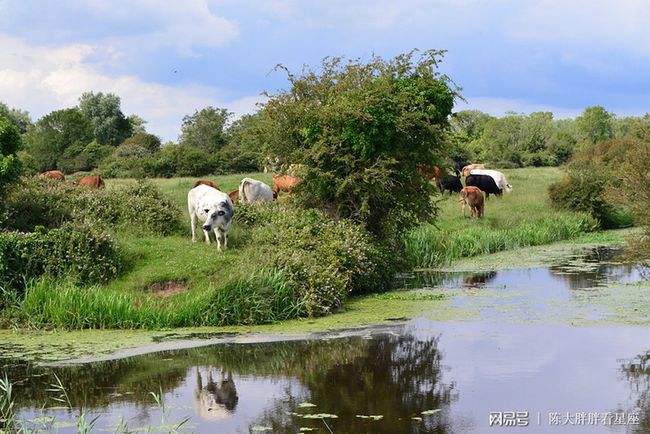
(242, 194)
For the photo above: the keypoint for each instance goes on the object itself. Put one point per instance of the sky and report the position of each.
(166, 59)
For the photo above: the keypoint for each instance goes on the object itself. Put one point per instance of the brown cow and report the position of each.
(53, 174)
(234, 195)
(284, 183)
(430, 172)
(206, 182)
(467, 170)
(473, 197)
(92, 181)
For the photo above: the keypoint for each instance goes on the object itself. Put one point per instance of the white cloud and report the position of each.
(501, 106)
(129, 26)
(613, 24)
(41, 79)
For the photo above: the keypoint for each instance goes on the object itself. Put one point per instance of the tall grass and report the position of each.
(260, 298)
(522, 218)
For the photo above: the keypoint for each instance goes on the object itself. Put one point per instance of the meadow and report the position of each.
(279, 268)
(519, 219)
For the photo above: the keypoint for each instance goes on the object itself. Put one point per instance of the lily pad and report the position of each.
(428, 412)
(370, 416)
(320, 416)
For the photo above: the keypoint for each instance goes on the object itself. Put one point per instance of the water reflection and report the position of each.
(217, 399)
(597, 267)
(237, 387)
(637, 372)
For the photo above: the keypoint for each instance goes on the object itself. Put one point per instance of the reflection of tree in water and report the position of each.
(397, 377)
(217, 399)
(637, 373)
(99, 384)
(479, 279)
(428, 279)
(592, 268)
(394, 376)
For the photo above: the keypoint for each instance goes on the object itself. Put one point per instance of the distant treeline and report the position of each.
(96, 136)
(537, 139)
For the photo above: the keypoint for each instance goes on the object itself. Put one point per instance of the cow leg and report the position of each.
(217, 235)
(193, 225)
(222, 238)
(207, 236)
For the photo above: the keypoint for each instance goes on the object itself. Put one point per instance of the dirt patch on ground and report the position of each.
(167, 288)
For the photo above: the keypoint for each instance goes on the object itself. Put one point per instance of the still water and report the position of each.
(421, 376)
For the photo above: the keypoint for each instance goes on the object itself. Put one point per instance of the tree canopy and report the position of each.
(110, 126)
(9, 144)
(49, 138)
(205, 129)
(360, 131)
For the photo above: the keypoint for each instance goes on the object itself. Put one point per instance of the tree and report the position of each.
(110, 126)
(137, 124)
(9, 145)
(146, 140)
(244, 151)
(595, 125)
(81, 158)
(48, 139)
(360, 131)
(18, 117)
(205, 129)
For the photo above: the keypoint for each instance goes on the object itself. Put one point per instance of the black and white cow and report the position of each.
(214, 208)
(486, 183)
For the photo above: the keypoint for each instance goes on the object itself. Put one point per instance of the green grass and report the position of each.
(177, 188)
(241, 285)
(519, 219)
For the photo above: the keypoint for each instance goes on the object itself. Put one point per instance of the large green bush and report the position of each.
(591, 173)
(584, 190)
(360, 131)
(140, 207)
(321, 260)
(9, 144)
(78, 252)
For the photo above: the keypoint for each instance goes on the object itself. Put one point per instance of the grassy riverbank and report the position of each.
(58, 344)
(523, 218)
(285, 265)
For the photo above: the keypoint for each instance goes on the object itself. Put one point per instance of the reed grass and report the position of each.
(519, 219)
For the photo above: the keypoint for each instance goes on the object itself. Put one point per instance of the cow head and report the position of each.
(508, 188)
(218, 215)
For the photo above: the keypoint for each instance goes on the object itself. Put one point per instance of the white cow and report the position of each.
(499, 178)
(252, 191)
(214, 208)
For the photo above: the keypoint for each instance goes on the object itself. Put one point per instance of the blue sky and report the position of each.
(166, 59)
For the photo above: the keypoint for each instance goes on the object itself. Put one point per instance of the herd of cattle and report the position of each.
(92, 181)
(478, 181)
(215, 208)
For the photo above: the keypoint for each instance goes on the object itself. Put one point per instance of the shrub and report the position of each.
(140, 207)
(584, 191)
(78, 252)
(591, 173)
(322, 261)
(127, 161)
(9, 145)
(183, 160)
(360, 131)
(78, 157)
